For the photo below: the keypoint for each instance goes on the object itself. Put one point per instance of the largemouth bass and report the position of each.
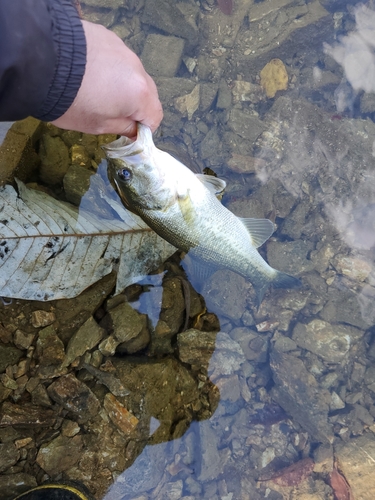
(182, 207)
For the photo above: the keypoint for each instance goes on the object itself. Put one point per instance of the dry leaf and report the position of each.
(51, 250)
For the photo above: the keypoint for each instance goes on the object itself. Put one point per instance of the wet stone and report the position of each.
(74, 396)
(108, 346)
(356, 464)
(9, 455)
(188, 104)
(5, 335)
(55, 160)
(289, 256)
(70, 428)
(227, 358)
(76, 183)
(226, 292)
(173, 304)
(122, 418)
(80, 156)
(344, 304)
(245, 125)
(23, 340)
(298, 393)
(127, 323)
(12, 485)
(40, 319)
(60, 454)
(26, 415)
(166, 16)
(284, 344)
(108, 379)
(50, 351)
(160, 44)
(40, 397)
(330, 342)
(355, 268)
(85, 339)
(9, 355)
(214, 457)
(196, 347)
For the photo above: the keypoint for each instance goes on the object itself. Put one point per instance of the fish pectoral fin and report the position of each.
(215, 185)
(259, 229)
(197, 271)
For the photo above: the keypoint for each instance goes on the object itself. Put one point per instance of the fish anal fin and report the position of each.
(260, 230)
(215, 185)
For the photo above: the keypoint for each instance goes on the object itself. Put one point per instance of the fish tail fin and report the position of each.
(280, 280)
(283, 280)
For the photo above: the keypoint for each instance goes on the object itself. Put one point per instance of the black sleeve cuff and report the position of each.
(70, 46)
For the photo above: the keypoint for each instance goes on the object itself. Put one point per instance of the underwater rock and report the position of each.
(162, 66)
(299, 394)
(169, 18)
(225, 292)
(189, 103)
(331, 342)
(289, 256)
(356, 464)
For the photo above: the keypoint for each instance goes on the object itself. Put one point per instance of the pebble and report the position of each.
(40, 318)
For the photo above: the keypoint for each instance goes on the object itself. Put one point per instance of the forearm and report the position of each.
(42, 58)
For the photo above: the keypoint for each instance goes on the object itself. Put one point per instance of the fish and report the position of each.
(183, 208)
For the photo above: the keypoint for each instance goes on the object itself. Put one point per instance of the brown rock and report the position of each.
(196, 347)
(74, 396)
(60, 454)
(9, 455)
(125, 421)
(42, 318)
(26, 415)
(86, 338)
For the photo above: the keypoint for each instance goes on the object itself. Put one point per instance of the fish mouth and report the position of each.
(123, 146)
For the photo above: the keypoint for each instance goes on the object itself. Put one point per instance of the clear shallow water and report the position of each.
(296, 376)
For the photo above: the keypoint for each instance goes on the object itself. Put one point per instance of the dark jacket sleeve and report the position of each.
(42, 58)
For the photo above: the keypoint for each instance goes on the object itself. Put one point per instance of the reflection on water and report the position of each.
(247, 402)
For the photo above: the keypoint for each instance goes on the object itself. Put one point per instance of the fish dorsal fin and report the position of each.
(215, 185)
(260, 229)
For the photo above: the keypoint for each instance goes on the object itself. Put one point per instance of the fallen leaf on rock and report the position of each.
(340, 486)
(274, 77)
(51, 250)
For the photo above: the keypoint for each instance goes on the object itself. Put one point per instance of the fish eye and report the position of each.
(124, 174)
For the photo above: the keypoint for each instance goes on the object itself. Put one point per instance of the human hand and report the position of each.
(116, 92)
